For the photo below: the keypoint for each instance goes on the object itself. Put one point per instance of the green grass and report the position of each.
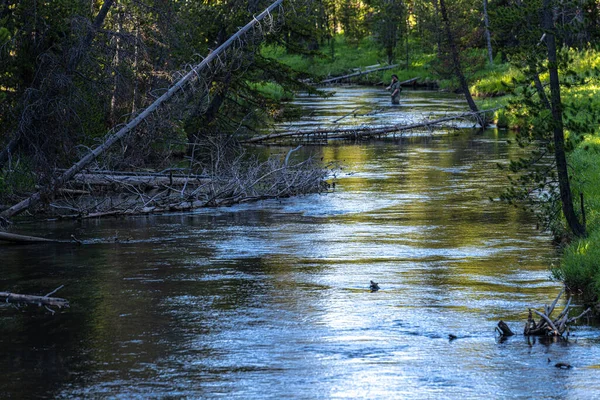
(273, 91)
(580, 266)
(494, 81)
(343, 57)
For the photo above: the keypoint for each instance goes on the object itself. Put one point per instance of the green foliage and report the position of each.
(352, 16)
(348, 56)
(580, 267)
(501, 119)
(273, 91)
(389, 25)
(495, 80)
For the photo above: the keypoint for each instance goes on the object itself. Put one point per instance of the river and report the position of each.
(271, 300)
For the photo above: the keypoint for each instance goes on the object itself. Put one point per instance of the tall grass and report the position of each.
(580, 266)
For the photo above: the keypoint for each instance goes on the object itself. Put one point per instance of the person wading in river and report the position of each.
(395, 89)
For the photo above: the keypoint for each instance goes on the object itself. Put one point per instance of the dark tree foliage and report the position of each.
(70, 72)
(533, 36)
(388, 25)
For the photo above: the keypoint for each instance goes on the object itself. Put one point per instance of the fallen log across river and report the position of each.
(359, 73)
(361, 131)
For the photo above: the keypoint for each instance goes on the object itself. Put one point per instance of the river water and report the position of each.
(271, 300)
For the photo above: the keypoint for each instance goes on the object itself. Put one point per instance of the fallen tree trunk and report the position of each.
(30, 299)
(14, 238)
(355, 74)
(136, 180)
(351, 133)
(112, 139)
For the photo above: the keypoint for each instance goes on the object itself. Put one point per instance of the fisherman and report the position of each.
(395, 89)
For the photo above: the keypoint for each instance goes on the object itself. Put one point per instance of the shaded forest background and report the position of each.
(74, 70)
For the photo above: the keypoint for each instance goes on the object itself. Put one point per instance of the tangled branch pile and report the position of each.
(217, 176)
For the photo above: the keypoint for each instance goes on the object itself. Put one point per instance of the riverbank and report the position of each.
(580, 265)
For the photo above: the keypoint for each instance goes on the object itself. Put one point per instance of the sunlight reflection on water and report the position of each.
(271, 300)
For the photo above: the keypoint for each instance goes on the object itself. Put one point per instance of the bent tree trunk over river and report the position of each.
(190, 77)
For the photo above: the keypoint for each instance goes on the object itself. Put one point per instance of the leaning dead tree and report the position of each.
(23, 239)
(191, 78)
(361, 132)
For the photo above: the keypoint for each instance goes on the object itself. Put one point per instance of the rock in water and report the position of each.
(374, 286)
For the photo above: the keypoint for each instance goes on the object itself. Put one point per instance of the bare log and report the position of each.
(548, 326)
(549, 313)
(554, 330)
(37, 300)
(359, 73)
(112, 139)
(136, 180)
(14, 238)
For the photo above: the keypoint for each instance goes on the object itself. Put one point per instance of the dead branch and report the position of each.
(548, 326)
(31, 299)
(359, 73)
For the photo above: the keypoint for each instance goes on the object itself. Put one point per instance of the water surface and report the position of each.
(271, 300)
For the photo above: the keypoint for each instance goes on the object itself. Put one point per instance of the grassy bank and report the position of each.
(580, 266)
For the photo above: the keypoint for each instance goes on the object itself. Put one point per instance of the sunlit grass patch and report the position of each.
(580, 267)
(273, 91)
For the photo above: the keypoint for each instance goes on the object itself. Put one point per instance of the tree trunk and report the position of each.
(456, 60)
(112, 139)
(77, 55)
(488, 37)
(438, 31)
(116, 61)
(559, 138)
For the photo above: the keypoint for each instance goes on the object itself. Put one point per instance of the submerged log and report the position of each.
(504, 329)
(31, 299)
(14, 238)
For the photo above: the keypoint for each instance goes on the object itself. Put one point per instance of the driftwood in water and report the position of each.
(360, 132)
(37, 300)
(359, 73)
(109, 179)
(547, 326)
(504, 329)
(114, 138)
(14, 238)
